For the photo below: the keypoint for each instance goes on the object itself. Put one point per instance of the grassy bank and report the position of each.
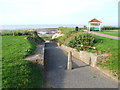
(110, 32)
(17, 32)
(102, 44)
(47, 38)
(16, 72)
(109, 46)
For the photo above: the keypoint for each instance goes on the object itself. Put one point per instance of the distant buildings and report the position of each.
(94, 25)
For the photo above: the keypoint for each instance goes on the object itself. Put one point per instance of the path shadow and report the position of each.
(75, 66)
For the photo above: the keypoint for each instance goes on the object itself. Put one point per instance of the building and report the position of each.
(94, 25)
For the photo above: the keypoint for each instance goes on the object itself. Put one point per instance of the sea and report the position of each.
(38, 26)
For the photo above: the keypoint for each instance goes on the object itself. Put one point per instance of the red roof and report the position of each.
(95, 20)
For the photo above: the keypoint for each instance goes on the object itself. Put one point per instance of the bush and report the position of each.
(85, 39)
(110, 28)
(74, 38)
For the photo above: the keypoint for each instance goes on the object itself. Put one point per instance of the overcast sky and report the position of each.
(58, 11)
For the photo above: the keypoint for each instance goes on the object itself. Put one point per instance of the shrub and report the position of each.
(81, 38)
(110, 28)
(74, 39)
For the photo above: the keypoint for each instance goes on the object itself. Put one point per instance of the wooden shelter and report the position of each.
(94, 25)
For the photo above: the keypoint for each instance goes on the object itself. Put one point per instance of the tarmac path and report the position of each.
(81, 76)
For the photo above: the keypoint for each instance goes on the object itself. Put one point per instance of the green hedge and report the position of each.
(18, 32)
(110, 28)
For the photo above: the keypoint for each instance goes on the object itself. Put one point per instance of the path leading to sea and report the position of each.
(82, 75)
(104, 35)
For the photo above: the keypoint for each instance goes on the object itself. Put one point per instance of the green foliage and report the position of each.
(74, 38)
(110, 28)
(38, 39)
(18, 32)
(65, 30)
(17, 72)
(65, 36)
(80, 28)
(109, 46)
(111, 32)
(81, 38)
(47, 38)
(102, 44)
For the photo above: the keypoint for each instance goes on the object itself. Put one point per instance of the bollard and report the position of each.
(69, 64)
(58, 44)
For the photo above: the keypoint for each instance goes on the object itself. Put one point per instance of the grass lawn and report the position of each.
(17, 72)
(47, 38)
(103, 45)
(110, 46)
(110, 32)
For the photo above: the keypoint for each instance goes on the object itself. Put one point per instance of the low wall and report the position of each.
(89, 58)
(86, 57)
(41, 57)
(38, 56)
